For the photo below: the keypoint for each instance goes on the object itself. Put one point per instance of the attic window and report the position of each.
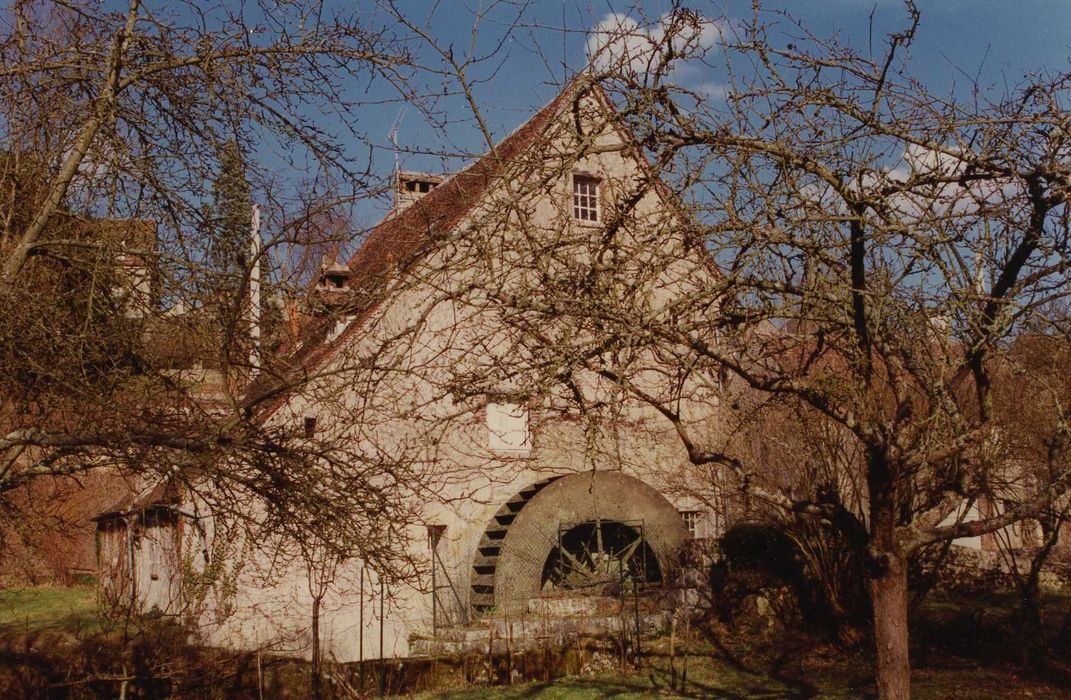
(585, 198)
(310, 427)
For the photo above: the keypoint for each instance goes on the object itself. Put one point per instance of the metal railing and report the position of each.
(439, 615)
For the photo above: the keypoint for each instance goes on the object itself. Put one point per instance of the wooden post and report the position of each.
(672, 651)
(509, 652)
(636, 608)
(684, 642)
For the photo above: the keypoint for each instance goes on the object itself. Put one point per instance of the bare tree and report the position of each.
(834, 236)
(896, 240)
(116, 124)
(877, 245)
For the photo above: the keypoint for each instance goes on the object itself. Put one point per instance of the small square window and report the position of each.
(310, 427)
(585, 198)
(691, 522)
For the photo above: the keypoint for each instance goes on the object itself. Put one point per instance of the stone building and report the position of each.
(518, 487)
(428, 353)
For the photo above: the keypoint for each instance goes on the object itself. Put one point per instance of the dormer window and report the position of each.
(585, 198)
(333, 276)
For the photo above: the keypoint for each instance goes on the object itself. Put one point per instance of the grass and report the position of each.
(797, 670)
(709, 678)
(784, 665)
(712, 677)
(29, 610)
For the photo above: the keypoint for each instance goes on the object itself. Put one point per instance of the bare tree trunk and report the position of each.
(888, 594)
(888, 583)
(1033, 650)
(315, 691)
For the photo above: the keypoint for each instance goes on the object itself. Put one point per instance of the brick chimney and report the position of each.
(411, 187)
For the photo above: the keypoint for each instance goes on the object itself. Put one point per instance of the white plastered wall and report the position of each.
(271, 606)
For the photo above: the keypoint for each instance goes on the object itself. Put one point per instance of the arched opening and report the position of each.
(599, 557)
(580, 532)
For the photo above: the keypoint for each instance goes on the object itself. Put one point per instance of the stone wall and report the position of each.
(973, 571)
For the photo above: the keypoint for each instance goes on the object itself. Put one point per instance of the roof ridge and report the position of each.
(489, 157)
(402, 238)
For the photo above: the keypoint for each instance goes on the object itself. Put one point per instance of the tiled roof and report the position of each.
(398, 241)
(163, 495)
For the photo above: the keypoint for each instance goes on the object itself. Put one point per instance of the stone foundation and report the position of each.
(555, 622)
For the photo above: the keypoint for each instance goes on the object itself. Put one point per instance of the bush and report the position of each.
(802, 572)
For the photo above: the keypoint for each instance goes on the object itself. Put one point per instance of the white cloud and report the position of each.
(714, 91)
(917, 187)
(619, 43)
(943, 197)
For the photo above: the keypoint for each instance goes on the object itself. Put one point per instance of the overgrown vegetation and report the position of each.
(55, 646)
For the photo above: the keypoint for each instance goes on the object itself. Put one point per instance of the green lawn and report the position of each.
(722, 681)
(716, 673)
(38, 609)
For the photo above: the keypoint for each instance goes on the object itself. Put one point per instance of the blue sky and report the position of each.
(999, 41)
(534, 44)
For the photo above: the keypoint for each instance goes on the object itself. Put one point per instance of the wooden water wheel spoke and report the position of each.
(596, 554)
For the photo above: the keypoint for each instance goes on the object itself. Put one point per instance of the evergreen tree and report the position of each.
(228, 254)
(229, 242)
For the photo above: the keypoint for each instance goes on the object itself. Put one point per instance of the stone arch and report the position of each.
(521, 546)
